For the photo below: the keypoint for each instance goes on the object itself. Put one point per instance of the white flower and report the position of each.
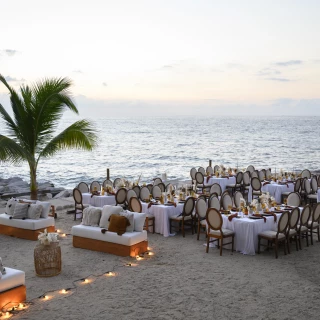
(46, 238)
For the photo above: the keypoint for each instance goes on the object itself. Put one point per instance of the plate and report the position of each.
(182, 201)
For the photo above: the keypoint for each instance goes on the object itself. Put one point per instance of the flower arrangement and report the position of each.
(46, 238)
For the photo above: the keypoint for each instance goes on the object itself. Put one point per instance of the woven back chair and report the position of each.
(294, 199)
(135, 205)
(144, 194)
(216, 188)
(156, 192)
(121, 196)
(214, 221)
(214, 202)
(201, 210)
(83, 187)
(95, 186)
(107, 183)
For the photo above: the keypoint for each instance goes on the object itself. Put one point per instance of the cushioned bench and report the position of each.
(12, 287)
(91, 238)
(26, 229)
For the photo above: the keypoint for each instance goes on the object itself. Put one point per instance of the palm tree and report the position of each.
(31, 130)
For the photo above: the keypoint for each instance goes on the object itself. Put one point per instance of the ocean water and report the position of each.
(151, 146)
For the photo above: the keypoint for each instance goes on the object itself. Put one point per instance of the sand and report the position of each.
(180, 281)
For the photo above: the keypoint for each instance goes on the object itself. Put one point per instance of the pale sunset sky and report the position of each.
(162, 57)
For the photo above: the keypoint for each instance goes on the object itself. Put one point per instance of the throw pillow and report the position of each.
(107, 211)
(10, 206)
(20, 211)
(45, 208)
(91, 216)
(34, 211)
(139, 220)
(118, 224)
(129, 215)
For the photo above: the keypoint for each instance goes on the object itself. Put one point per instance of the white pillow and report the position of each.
(129, 215)
(91, 216)
(107, 211)
(20, 211)
(45, 208)
(139, 220)
(10, 206)
(34, 211)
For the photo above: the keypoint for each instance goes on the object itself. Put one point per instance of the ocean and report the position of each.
(148, 146)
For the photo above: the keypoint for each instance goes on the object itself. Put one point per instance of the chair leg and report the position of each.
(192, 225)
(183, 233)
(307, 238)
(311, 236)
(318, 231)
(221, 246)
(198, 230)
(288, 245)
(207, 249)
(232, 243)
(300, 242)
(276, 248)
(153, 225)
(170, 221)
(259, 244)
(285, 247)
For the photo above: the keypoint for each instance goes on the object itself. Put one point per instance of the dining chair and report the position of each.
(135, 206)
(201, 169)
(310, 197)
(209, 170)
(78, 205)
(246, 183)
(314, 184)
(297, 186)
(276, 237)
(185, 218)
(121, 197)
(162, 186)
(314, 223)
(292, 227)
(193, 172)
(237, 199)
(130, 193)
(214, 230)
(150, 186)
(106, 183)
(157, 181)
(216, 188)
(95, 186)
(294, 199)
(156, 192)
(303, 224)
(250, 168)
(268, 174)
(305, 174)
(214, 202)
(255, 174)
(201, 210)
(117, 182)
(261, 175)
(256, 187)
(83, 187)
(237, 185)
(136, 189)
(216, 168)
(226, 201)
(200, 181)
(144, 194)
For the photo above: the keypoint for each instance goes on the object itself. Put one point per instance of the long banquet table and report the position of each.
(223, 182)
(98, 201)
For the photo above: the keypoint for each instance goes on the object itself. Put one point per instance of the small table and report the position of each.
(47, 259)
(98, 201)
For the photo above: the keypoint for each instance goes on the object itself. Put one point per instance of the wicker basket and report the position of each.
(47, 259)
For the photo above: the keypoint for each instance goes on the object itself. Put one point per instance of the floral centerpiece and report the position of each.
(46, 238)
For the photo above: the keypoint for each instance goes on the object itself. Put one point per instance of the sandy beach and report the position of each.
(180, 281)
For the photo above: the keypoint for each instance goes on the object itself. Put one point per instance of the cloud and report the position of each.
(279, 79)
(288, 63)
(11, 79)
(104, 84)
(9, 52)
(268, 72)
(167, 67)
(77, 71)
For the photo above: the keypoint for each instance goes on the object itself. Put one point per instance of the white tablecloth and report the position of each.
(162, 214)
(275, 190)
(223, 182)
(98, 201)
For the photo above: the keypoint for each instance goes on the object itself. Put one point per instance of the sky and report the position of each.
(168, 57)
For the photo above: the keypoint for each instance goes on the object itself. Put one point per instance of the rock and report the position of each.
(62, 194)
(44, 197)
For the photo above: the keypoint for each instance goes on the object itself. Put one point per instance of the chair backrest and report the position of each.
(294, 218)
(268, 174)
(162, 186)
(305, 215)
(297, 185)
(256, 184)
(156, 192)
(226, 201)
(203, 197)
(306, 174)
(246, 178)
(319, 181)
(201, 208)
(201, 169)
(117, 182)
(144, 193)
(294, 199)
(316, 213)
(261, 175)
(136, 189)
(121, 196)
(150, 186)
(214, 219)
(283, 222)
(188, 207)
(83, 187)
(239, 177)
(95, 186)
(236, 198)
(107, 182)
(214, 202)
(193, 172)
(216, 168)
(77, 196)
(209, 170)
(255, 174)
(314, 184)
(157, 181)
(135, 205)
(216, 188)
(199, 178)
(307, 186)
(303, 181)
(131, 193)
(250, 168)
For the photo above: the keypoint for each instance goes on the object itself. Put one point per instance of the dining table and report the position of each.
(222, 181)
(275, 189)
(98, 200)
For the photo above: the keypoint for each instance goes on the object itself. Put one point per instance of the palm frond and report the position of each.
(11, 151)
(79, 135)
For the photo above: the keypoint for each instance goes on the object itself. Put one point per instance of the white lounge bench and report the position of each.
(91, 238)
(12, 287)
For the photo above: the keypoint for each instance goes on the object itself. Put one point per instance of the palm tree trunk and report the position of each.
(33, 183)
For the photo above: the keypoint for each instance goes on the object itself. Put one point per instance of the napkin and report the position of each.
(266, 183)
(232, 216)
(208, 178)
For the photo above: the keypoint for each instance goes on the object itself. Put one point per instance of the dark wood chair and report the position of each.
(78, 205)
(314, 223)
(200, 217)
(292, 227)
(303, 225)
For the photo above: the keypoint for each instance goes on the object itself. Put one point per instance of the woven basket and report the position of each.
(47, 259)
